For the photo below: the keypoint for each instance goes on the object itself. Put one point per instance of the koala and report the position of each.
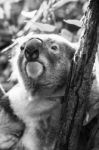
(31, 109)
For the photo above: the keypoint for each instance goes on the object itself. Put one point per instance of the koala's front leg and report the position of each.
(11, 127)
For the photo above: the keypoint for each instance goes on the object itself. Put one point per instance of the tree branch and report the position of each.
(79, 83)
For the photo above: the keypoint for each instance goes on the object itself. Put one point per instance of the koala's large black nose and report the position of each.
(32, 49)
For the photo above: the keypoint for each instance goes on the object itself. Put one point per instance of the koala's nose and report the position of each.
(32, 49)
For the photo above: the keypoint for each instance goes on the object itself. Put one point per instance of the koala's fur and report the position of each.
(35, 100)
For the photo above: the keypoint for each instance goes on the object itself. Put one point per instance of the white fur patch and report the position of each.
(34, 69)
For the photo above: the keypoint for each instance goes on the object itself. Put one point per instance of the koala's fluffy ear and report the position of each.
(70, 49)
(10, 51)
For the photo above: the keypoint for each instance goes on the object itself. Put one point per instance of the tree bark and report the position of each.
(79, 83)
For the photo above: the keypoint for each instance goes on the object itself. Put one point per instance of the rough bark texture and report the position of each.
(79, 83)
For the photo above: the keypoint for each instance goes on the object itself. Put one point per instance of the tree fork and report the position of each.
(79, 83)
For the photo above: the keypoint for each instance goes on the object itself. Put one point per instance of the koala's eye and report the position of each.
(55, 47)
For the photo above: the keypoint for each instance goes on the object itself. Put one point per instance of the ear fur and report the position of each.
(70, 49)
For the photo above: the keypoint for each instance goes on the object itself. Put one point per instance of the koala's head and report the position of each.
(44, 63)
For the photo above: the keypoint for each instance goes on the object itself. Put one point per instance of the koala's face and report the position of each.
(44, 64)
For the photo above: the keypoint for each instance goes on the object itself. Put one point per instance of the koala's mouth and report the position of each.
(34, 69)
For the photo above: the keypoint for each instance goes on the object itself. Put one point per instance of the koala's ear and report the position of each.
(70, 51)
(10, 51)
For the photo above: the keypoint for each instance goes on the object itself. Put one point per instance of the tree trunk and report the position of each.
(79, 83)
